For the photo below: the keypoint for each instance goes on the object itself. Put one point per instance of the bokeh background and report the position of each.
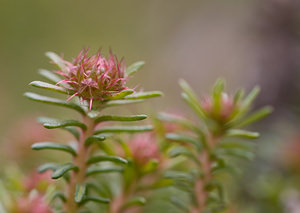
(246, 42)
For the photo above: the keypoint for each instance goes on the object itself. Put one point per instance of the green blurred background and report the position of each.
(247, 42)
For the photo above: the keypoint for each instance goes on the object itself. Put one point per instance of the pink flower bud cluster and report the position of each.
(95, 77)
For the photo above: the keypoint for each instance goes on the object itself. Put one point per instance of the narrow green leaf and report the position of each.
(46, 167)
(242, 133)
(70, 129)
(63, 123)
(47, 86)
(120, 102)
(93, 139)
(256, 116)
(55, 146)
(57, 60)
(92, 171)
(128, 129)
(236, 145)
(79, 192)
(183, 122)
(50, 76)
(236, 153)
(59, 195)
(217, 94)
(62, 170)
(144, 95)
(179, 203)
(133, 68)
(121, 94)
(250, 97)
(136, 201)
(150, 166)
(191, 98)
(120, 118)
(182, 151)
(114, 159)
(194, 106)
(95, 199)
(54, 101)
(238, 96)
(185, 139)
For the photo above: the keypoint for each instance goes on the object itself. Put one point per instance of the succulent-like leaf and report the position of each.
(180, 204)
(121, 102)
(136, 201)
(54, 101)
(47, 86)
(144, 95)
(93, 139)
(62, 170)
(120, 118)
(121, 94)
(191, 98)
(95, 199)
(55, 146)
(185, 139)
(59, 195)
(63, 123)
(50, 76)
(114, 159)
(256, 116)
(128, 129)
(182, 151)
(57, 60)
(46, 167)
(133, 68)
(92, 171)
(79, 192)
(242, 133)
(236, 153)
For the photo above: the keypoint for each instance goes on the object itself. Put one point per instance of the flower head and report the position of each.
(221, 113)
(93, 77)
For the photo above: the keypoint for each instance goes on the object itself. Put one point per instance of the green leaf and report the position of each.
(190, 97)
(242, 134)
(95, 199)
(121, 94)
(50, 76)
(46, 167)
(136, 201)
(62, 170)
(114, 159)
(79, 192)
(236, 153)
(57, 60)
(54, 101)
(250, 97)
(256, 116)
(236, 145)
(179, 203)
(70, 129)
(120, 102)
(238, 96)
(182, 151)
(133, 68)
(217, 94)
(47, 86)
(128, 129)
(144, 95)
(185, 139)
(150, 166)
(55, 146)
(73, 131)
(64, 123)
(120, 118)
(59, 195)
(93, 139)
(92, 171)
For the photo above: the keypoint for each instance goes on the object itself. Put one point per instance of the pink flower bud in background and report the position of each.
(144, 148)
(227, 107)
(32, 204)
(38, 181)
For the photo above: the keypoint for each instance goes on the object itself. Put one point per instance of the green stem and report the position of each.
(80, 161)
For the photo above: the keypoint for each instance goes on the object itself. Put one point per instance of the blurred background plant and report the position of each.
(246, 42)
